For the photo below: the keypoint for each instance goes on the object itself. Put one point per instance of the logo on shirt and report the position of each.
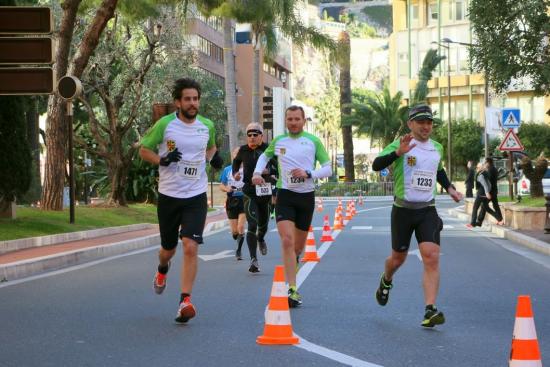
(411, 160)
(171, 145)
(202, 130)
(282, 151)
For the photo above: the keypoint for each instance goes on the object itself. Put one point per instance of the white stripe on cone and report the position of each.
(277, 317)
(279, 289)
(311, 248)
(524, 328)
(517, 363)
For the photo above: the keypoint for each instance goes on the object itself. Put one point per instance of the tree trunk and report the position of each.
(256, 83)
(535, 174)
(33, 194)
(230, 85)
(56, 131)
(345, 109)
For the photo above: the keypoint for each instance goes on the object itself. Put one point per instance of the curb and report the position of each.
(509, 234)
(54, 239)
(25, 268)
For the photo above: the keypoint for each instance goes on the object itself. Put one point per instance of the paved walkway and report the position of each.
(41, 251)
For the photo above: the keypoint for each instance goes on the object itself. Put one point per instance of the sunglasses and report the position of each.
(250, 135)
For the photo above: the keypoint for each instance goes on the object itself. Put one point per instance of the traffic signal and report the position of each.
(268, 112)
(26, 50)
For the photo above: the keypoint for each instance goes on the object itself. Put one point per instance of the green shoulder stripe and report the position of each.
(439, 149)
(155, 135)
(270, 150)
(211, 130)
(321, 154)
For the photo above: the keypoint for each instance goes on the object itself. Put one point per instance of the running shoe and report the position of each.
(254, 268)
(238, 254)
(263, 247)
(433, 317)
(186, 311)
(294, 298)
(470, 225)
(159, 282)
(383, 292)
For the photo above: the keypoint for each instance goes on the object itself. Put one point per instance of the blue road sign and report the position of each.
(384, 172)
(510, 118)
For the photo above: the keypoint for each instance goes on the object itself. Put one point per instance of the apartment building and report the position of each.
(420, 25)
(206, 38)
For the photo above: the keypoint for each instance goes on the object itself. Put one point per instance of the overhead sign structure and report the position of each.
(511, 143)
(26, 50)
(510, 118)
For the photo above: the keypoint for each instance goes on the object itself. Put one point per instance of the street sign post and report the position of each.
(511, 118)
(511, 143)
(384, 172)
(26, 50)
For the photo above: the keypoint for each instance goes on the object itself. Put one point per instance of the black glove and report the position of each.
(216, 162)
(173, 156)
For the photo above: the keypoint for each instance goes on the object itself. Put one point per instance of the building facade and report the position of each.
(421, 25)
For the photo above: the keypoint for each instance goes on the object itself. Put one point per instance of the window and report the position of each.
(476, 110)
(414, 16)
(461, 110)
(210, 49)
(538, 109)
(403, 65)
(458, 10)
(433, 13)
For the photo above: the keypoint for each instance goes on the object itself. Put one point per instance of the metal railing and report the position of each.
(331, 189)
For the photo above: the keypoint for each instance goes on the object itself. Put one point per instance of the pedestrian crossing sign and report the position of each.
(511, 143)
(510, 118)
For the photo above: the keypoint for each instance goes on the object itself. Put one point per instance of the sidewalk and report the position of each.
(535, 240)
(26, 257)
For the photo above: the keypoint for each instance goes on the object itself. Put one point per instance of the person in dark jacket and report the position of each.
(483, 195)
(257, 199)
(470, 180)
(493, 179)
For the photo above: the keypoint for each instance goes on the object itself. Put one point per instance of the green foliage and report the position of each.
(15, 153)
(512, 41)
(535, 138)
(382, 117)
(466, 141)
(142, 182)
(431, 60)
(381, 16)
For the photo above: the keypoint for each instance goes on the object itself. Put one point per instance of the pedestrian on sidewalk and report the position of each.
(179, 143)
(416, 161)
(234, 206)
(493, 179)
(470, 179)
(297, 153)
(483, 195)
(257, 200)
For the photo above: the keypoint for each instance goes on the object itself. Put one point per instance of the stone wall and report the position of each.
(515, 216)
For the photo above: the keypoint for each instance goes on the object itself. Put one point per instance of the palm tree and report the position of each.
(345, 100)
(382, 117)
(431, 60)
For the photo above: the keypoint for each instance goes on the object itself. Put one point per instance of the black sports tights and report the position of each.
(257, 216)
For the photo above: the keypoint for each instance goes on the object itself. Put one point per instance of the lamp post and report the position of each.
(449, 140)
(485, 92)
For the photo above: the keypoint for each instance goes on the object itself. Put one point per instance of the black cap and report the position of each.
(420, 112)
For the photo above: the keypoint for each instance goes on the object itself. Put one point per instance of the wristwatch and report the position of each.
(308, 173)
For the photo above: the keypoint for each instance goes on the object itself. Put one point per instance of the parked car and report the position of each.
(523, 185)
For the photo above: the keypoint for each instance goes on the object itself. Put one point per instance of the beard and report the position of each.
(189, 114)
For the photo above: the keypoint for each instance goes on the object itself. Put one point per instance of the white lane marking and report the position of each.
(417, 253)
(314, 228)
(381, 207)
(361, 227)
(88, 264)
(332, 354)
(303, 273)
(447, 226)
(217, 256)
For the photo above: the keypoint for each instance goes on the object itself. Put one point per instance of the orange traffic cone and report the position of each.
(311, 250)
(347, 218)
(361, 200)
(353, 211)
(327, 233)
(338, 225)
(278, 327)
(525, 347)
(320, 205)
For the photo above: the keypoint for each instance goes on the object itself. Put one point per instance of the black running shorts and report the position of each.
(189, 214)
(425, 223)
(234, 206)
(295, 207)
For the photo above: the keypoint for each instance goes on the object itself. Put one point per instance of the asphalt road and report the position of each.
(108, 315)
